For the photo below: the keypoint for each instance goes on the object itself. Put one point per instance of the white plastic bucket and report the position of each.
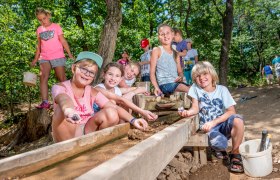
(256, 164)
(29, 78)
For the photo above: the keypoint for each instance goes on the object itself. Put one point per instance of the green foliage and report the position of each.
(255, 37)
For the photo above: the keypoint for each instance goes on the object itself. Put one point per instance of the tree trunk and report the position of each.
(187, 17)
(111, 27)
(227, 29)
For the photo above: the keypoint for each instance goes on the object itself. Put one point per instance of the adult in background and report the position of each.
(190, 60)
(145, 60)
(276, 63)
(267, 71)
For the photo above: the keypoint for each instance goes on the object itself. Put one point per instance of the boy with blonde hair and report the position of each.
(217, 114)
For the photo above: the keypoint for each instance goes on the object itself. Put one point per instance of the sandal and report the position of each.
(236, 164)
(220, 154)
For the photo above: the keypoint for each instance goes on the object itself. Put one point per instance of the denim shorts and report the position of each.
(220, 134)
(54, 62)
(168, 88)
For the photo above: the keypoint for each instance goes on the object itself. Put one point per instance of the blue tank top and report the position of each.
(267, 70)
(166, 69)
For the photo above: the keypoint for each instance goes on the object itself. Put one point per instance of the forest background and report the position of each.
(237, 36)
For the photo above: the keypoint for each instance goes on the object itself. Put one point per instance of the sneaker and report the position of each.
(43, 105)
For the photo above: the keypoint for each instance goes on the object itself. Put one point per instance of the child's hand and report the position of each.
(208, 126)
(179, 79)
(149, 115)
(158, 92)
(33, 63)
(71, 57)
(184, 113)
(72, 116)
(140, 124)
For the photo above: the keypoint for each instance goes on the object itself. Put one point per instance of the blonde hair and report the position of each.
(203, 67)
(134, 64)
(40, 10)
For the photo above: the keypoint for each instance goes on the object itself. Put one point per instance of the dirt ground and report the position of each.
(260, 112)
(260, 108)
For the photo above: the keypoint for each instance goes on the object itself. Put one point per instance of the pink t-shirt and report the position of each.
(51, 47)
(83, 105)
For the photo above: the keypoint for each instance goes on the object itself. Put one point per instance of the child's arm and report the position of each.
(122, 84)
(209, 125)
(183, 53)
(120, 100)
(179, 70)
(155, 55)
(126, 116)
(67, 107)
(65, 45)
(192, 111)
(38, 51)
(135, 90)
(196, 59)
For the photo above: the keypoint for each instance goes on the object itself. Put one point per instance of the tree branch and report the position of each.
(217, 8)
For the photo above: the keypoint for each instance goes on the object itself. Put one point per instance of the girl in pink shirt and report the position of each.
(74, 99)
(49, 52)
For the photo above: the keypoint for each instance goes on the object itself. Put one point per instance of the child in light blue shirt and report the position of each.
(218, 118)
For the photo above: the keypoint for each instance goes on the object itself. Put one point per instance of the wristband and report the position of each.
(132, 120)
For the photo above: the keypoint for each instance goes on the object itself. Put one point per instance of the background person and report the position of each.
(49, 52)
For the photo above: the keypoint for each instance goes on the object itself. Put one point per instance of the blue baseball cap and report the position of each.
(90, 55)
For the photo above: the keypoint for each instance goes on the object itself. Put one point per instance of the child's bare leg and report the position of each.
(182, 88)
(106, 117)
(62, 130)
(45, 69)
(237, 134)
(60, 73)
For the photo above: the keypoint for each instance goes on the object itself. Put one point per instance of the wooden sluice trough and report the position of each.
(145, 160)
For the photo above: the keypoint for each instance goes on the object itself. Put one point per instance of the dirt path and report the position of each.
(260, 112)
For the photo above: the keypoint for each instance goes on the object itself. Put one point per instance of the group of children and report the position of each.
(80, 108)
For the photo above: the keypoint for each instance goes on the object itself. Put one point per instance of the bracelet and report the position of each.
(132, 120)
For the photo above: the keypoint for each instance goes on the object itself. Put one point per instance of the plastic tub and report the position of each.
(29, 78)
(256, 164)
(144, 84)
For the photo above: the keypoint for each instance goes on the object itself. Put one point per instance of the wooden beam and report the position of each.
(146, 159)
(35, 160)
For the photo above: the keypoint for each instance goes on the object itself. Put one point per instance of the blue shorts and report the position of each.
(168, 88)
(54, 62)
(220, 134)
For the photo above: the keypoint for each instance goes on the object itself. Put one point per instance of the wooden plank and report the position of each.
(35, 160)
(196, 154)
(146, 159)
(203, 155)
(198, 139)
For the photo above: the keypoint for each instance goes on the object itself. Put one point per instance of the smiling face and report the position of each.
(112, 77)
(83, 73)
(44, 19)
(205, 81)
(131, 71)
(165, 35)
